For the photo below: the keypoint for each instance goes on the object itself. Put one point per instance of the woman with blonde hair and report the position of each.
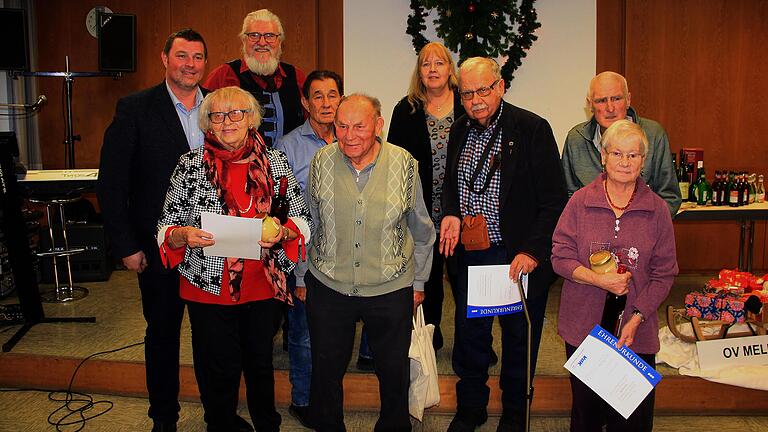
(420, 123)
(234, 303)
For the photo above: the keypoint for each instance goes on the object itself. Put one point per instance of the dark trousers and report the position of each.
(332, 317)
(230, 341)
(434, 294)
(163, 311)
(589, 412)
(473, 343)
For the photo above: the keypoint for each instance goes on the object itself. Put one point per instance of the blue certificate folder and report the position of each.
(490, 292)
(619, 376)
(486, 311)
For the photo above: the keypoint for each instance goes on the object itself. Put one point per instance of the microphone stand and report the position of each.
(528, 389)
(69, 79)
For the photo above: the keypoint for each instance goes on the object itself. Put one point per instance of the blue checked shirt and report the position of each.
(486, 203)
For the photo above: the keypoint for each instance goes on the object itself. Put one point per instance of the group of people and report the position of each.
(371, 226)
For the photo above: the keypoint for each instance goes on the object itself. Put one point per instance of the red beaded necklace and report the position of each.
(607, 195)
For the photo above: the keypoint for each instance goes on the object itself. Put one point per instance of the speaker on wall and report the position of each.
(117, 42)
(14, 49)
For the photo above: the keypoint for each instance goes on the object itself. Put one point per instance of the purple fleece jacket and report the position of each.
(643, 238)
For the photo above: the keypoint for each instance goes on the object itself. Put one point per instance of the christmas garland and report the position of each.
(484, 28)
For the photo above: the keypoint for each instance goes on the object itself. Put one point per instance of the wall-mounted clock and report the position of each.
(91, 20)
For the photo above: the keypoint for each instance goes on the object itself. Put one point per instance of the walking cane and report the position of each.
(528, 390)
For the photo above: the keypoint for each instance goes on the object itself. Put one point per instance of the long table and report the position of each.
(746, 215)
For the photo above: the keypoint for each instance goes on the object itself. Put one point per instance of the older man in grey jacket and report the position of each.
(609, 100)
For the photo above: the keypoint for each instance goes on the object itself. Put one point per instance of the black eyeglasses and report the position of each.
(234, 116)
(482, 91)
(269, 37)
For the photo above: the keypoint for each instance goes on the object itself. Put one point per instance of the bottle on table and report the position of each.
(752, 179)
(743, 189)
(760, 190)
(682, 181)
(692, 177)
(717, 188)
(732, 191)
(703, 190)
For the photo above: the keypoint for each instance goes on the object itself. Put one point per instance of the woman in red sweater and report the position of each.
(234, 303)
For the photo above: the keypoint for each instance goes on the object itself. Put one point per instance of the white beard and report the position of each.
(262, 68)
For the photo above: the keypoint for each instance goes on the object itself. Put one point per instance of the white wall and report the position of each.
(552, 81)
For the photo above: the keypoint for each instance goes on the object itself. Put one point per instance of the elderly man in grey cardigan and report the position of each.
(369, 259)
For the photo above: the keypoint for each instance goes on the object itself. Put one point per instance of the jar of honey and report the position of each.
(602, 262)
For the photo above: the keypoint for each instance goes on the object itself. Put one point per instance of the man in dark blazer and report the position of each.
(503, 163)
(150, 131)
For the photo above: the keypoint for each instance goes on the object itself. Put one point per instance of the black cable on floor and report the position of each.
(77, 407)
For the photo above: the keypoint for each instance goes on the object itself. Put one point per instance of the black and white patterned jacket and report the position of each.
(190, 194)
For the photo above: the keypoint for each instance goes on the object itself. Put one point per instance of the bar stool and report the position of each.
(68, 292)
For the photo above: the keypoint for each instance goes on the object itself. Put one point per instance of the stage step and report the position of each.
(676, 395)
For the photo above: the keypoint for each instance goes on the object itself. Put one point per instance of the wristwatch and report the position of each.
(640, 314)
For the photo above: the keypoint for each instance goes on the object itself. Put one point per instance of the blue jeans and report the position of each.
(365, 349)
(299, 354)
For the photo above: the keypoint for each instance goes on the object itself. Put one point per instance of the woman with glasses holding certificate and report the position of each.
(234, 303)
(615, 247)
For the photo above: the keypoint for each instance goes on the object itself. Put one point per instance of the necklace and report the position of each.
(607, 195)
(250, 203)
(439, 107)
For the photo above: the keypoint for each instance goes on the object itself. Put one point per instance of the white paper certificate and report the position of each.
(236, 237)
(619, 376)
(491, 291)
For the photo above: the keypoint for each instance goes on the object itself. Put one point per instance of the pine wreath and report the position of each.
(483, 28)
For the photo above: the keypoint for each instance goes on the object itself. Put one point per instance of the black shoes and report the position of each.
(365, 364)
(437, 339)
(467, 419)
(238, 424)
(164, 426)
(301, 413)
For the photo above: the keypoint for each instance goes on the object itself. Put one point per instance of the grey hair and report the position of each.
(604, 75)
(228, 96)
(262, 15)
(480, 62)
(374, 101)
(620, 131)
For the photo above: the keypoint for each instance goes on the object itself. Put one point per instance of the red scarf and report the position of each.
(259, 185)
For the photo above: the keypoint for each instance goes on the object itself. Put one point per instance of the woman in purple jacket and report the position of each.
(619, 213)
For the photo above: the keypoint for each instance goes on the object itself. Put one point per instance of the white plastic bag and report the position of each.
(424, 389)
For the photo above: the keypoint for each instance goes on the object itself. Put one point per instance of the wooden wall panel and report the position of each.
(312, 28)
(697, 68)
(610, 24)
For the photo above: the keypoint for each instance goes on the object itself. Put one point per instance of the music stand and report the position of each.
(19, 253)
(69, 79)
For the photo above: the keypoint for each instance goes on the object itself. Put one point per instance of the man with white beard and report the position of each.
(276, 85)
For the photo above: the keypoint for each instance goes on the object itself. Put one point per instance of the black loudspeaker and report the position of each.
(117, 42)
(14, 48)
(92, 265)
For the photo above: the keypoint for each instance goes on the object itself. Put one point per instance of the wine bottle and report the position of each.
(682, 180)
(703, 190)
(280, 203)
(613, 311)
(732, 190)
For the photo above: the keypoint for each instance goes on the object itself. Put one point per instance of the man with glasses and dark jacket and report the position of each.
(502, 163)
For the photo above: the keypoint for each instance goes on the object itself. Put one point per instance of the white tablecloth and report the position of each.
(682, 355)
